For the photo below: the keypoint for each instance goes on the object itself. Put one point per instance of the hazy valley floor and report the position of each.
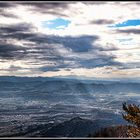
(58, 107)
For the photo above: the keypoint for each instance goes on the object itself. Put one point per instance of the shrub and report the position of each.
(133, 117)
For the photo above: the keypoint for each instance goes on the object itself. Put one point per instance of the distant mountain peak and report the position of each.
(76, 119)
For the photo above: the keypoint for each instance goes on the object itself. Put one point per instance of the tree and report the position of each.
(133, 117)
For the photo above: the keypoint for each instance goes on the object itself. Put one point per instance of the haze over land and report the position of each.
(40, 106)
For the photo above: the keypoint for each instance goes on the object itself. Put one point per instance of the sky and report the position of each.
(91, 39)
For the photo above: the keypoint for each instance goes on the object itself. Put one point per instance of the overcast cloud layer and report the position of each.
(91, 45)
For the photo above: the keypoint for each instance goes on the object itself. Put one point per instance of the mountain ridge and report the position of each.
(17, 78)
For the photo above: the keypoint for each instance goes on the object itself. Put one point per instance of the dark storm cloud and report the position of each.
(62, 52)
(52, 68)
(53, 8)
(20, 28)
(23, 31)
(7, 14)
(102, 21)
(6, 4)
(94, 2)
(99, 61)
(9, 51)
(138, 3)
(129, 31)
(4, 7)
(76, 44)
(124, 3)
(129, 66)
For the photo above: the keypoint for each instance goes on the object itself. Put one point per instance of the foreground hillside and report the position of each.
(76, 127)
(114, 131)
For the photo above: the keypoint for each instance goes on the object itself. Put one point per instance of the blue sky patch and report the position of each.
(56, 24)
(132, 22)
